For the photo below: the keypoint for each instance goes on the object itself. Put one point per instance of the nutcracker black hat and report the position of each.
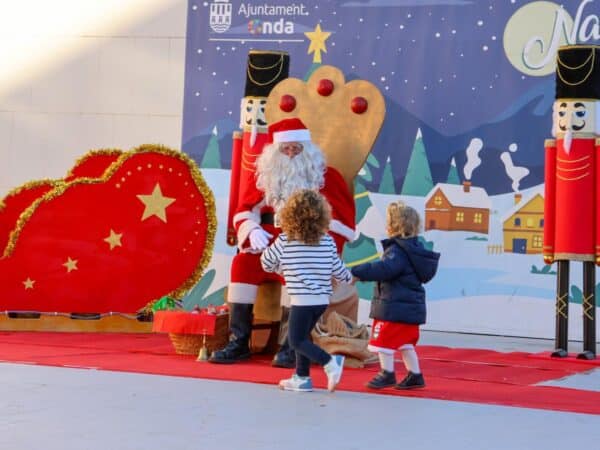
(264, 70)
(578, 72)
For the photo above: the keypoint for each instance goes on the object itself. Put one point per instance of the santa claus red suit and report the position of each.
(278, 176)
(572, 187)
(279, 172)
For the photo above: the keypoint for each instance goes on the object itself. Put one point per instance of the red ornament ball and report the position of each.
(359, 105)
(287, 103)
(325, 87)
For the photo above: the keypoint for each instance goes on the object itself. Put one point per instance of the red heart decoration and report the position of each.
(111, 243)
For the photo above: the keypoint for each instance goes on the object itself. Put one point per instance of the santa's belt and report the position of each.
(267, 218)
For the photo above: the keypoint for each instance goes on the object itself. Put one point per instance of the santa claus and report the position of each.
(290, 162)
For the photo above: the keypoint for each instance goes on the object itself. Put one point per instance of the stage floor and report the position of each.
(103, 391)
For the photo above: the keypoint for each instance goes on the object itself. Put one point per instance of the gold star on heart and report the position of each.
(114, 239)
(156, 204)
(28, 283)
(317, 42)
(71, 264)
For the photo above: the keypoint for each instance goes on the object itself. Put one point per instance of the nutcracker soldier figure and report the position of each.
(572, 187)
(264, 69)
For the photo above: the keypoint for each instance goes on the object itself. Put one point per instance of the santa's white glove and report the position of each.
(259, 239)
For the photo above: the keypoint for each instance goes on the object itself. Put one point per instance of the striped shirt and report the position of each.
(307, 269)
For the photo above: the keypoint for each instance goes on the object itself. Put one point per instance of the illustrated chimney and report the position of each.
(467, 186)
(518, 197)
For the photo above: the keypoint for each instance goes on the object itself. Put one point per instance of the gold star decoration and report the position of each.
(114, 239)
(28, 283)
(71, 264)
(317, 42)
(156, 204)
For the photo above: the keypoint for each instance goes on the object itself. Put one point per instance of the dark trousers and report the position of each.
(302, 321)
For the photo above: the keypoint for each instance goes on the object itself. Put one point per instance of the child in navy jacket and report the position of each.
(398, 305)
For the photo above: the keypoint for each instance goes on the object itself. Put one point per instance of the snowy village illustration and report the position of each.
(462, 142)
(491, 246)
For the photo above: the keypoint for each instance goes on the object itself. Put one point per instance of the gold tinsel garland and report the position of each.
(28, 185)
(60, 187)
(92, 153)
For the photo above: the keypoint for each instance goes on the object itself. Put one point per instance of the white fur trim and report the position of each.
(242, 293)
(597, 113)
(251, 218)
(338, 227)
(245, 215)
(376, 349)
(244, 231)
(291, 136)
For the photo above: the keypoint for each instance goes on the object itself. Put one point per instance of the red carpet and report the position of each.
(478, 376)
(571, 358)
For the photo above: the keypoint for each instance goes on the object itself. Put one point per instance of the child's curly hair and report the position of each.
(402, 220)
(305, 217)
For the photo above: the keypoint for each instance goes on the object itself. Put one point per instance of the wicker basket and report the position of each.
(186, 344)
(190, 344)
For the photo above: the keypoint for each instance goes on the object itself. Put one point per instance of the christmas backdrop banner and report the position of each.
(468, 89)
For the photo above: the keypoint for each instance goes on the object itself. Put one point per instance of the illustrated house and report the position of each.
(523, 225)
(455, 207)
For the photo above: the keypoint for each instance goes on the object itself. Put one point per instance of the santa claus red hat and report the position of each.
(288, 130)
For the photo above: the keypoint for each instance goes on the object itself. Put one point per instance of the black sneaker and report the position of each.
(412, 381)
(285, 359)
(382, 380)
(233, 352)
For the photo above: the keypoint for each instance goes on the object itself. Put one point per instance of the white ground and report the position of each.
(74, 409)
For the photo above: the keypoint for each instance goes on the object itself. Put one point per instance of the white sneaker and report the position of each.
(296, 383)
(333, 370)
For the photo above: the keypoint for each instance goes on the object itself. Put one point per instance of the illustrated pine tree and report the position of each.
(361, 200)
(418, 180)
(361, 193)
(360, 251)
(387, 186)
(212, 154)
(453, 177)
(314, 66)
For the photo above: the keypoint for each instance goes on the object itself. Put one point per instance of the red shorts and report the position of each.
(392, 335)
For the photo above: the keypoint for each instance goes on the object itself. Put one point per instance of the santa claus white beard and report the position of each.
(278, 175)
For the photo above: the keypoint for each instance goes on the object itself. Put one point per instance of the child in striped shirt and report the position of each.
(307, 258)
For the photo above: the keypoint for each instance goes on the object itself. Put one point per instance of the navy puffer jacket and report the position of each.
(399, 295)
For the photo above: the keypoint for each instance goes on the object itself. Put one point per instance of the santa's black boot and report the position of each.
(286, 356)
(240, 326)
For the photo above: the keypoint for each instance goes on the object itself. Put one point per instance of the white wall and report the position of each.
(86, 74)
